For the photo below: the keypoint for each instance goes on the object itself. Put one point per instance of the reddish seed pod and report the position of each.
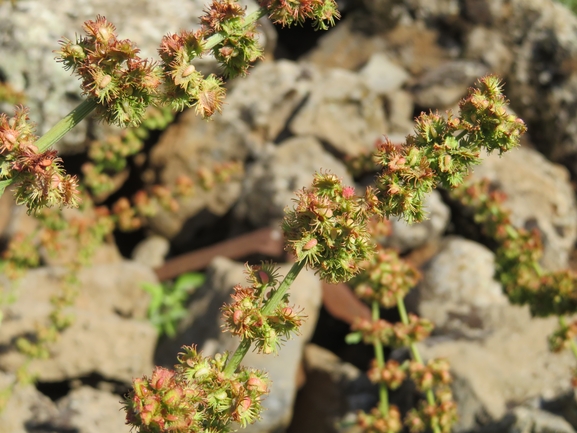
(263, 276)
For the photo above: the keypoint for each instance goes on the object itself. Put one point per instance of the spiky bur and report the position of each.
(244, 317)
(323, 13)
(442, 149)
(184, 85)
(239, 46)
(39, 179)
(195, 397)
(327, 228)
(112, 73)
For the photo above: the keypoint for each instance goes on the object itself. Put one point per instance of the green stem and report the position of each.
(380, 357)
(268, 308)
(66, 124)
(572, 344)
(279, 293)
(417, 357)
(217, 38)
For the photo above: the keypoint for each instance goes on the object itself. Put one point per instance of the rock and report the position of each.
(542, 84)
(400, 109)
(415, 48)
(499, 58)
(334, 390)
(511, 365)
(266, 98)
(382, 75)
(202, 326)
(109, 336)
(151, 251)
(540, 196)
(33, 31)
(346, 46)
(343, 112)
(529, 420)
(271, 182)
(458, 292)
(26, 407)
(90, 410)
(183, 149)
(406, 236)
(443, 86)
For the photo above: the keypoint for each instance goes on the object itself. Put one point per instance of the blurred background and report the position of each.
(171, 211)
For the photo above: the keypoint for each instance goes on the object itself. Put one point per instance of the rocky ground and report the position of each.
(317, 99)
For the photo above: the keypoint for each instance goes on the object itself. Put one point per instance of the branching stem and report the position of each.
(269, 307)
(417, 357)
(380, 357)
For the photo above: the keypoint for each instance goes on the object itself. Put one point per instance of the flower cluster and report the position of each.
(245, 317)
(391, 374)
(441, 416)
(195, 396)
(393, 334)
(518, 254)
(238, 46)
(563, 336)
(122, 84)
(378, 422)
(38, 177)
(443, 149)
(386, 279)
(323, 13)
(327, 228)
(184, 85)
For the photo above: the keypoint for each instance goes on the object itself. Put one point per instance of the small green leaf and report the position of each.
(353, 338)
(4, 184)
(187, 282)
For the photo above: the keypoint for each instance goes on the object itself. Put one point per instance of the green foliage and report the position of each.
(571, 4)
(167, 305)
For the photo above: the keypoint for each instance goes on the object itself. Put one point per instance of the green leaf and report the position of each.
(354, 338)
(189, 281)
(4, 184)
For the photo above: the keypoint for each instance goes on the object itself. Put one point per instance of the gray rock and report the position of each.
(540, 196)
(382, 75)
(406, 236)
(266, 98)
(33, 31)
(26, 407)
(343, 112)
(346, 46)
(529, 420)
(271, 182)
(400, 109)
(512, 364)
(444, 86)
(458, 292)
(90, 410)
(499, 58)
(109, 336)
(185, 147)
(151, 251)
(203, 327)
